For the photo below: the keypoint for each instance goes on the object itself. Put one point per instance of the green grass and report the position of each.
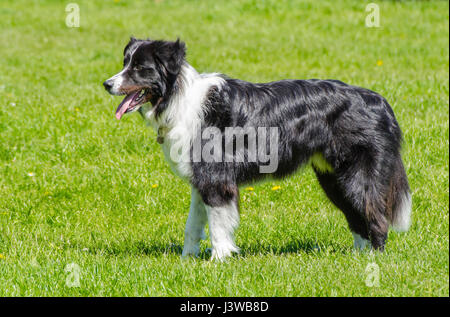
(90, 201)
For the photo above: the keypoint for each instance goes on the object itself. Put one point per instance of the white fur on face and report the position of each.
(194, 225)
(117, 79)
(360, 243)
(183, 117)
(223, 221)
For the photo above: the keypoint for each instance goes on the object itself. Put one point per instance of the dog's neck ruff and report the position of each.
(183, 115)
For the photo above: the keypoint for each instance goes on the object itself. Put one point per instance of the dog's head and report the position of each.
(150, 69)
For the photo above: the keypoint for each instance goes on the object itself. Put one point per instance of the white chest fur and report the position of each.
(183, 117)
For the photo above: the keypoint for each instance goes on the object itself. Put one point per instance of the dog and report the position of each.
(348, 133)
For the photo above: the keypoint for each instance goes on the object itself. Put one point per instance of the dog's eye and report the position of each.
(137, 67)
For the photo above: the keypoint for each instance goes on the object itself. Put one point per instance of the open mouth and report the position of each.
(132, 102)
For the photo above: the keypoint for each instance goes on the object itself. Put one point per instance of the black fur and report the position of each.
(353, 128)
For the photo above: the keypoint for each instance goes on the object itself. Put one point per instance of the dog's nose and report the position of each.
(108, 85)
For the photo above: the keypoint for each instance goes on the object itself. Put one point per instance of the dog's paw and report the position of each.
(190, 252)
(221, 253)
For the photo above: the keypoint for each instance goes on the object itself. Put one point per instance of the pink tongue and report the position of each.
(125, 104)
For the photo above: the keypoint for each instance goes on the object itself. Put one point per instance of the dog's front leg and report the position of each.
(223, 221)
(194, 225)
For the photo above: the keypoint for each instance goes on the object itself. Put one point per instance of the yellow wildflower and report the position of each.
(276, 187)
(249, 189)
(2, 256)
(154, 185)
(379, 62)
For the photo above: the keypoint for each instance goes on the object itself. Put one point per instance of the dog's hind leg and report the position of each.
(356, 220)
(195, 225)
(387, 201)
(361, 193)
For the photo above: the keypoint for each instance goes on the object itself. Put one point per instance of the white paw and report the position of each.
(221, 252)
(190, 251)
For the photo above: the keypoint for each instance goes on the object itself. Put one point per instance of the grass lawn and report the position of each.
(77, 186)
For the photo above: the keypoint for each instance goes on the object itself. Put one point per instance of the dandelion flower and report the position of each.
(154, 185)
(2, 256)
(379, 62)
(249, 189)
(276, 187)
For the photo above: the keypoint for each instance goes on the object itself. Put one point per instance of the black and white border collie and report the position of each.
(348, 133)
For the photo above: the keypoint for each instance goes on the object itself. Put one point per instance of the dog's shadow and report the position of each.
(246, 249)
(291, 247)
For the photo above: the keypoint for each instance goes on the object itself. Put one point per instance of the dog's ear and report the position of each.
(130, 42)
(171, 55)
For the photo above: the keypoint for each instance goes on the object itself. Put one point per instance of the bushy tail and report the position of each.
(400, 199)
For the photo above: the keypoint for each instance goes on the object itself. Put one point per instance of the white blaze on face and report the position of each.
(118, 79)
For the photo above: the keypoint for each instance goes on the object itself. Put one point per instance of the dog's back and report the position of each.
(350, 130)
